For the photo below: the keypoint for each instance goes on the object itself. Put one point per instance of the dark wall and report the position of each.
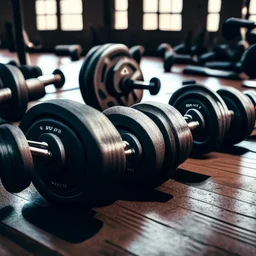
(99, 14)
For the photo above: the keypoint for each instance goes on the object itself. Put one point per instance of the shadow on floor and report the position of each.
(69, 224)
(187, 177)
(6, 212)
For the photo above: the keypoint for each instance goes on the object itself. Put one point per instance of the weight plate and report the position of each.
(214, 111)
(125, 68)
(84, 66)
(12, 78)
(177, 136)
(137, 52)
(163, 48)
(26, 71)
(244, 115)
(147, 169)
(15, 159)
(251, 94)
(248, 61)
(36, 72)
(94, 152)
(94, 88)
(85, 89)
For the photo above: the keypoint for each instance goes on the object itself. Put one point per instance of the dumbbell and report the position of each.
(170, 58)
(74, 51)
(246, 64)
(200, 47)
(74, 153)
(137, 52)
(13, 63)
(27, 71)
(184, 48)
(223, 52)
(16, 92)
(230, 116)
(231, 27)
(79, 154)
(109, 76)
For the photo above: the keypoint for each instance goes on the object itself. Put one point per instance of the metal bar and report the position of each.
(5, 95)
(49, 79)
(36, 144)
(39, 152)
(194, 125)
(127, 149)
(18, 25)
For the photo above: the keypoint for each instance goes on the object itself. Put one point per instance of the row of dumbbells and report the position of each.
(20, 85)
(74, 153)
(110, 76)
(237, 58)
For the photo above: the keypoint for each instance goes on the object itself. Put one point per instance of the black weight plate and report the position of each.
(88, 88)
(94, 151)
(251, 94)
(26, 71)
(84, 66)
(225, 117)
(248, 61)
(177, 136)
(244, 116)
(146, 171)
(97, 94)
(15, 159)
(214, 111)
(36, 72)
(86, 69)
(137, 52)
(12, 78)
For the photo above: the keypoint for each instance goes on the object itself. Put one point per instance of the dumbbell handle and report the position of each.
(5, 95)
(36, 86)
(153, 85)
(50, 79)
(41, 149)
(192, 125)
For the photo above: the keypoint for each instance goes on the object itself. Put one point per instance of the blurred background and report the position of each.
(146, 22)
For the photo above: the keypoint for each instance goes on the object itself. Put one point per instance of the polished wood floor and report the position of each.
(209, 208)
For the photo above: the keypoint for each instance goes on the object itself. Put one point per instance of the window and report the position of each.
(252, 10)
(46, 14)
(162, 14)
(213, 17)
(70, 17)
(121, 14)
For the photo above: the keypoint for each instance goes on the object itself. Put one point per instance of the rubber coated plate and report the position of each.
(84, 66)
(244, 115)
(15, 159)
(147, 169)
(251, 94)
(248, 60)
(93, 87)
(85, 88)
(94, 152)
(177, 136)
(214, 111)
(12, 78)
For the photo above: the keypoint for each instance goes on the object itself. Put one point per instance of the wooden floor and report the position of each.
(208, 209)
